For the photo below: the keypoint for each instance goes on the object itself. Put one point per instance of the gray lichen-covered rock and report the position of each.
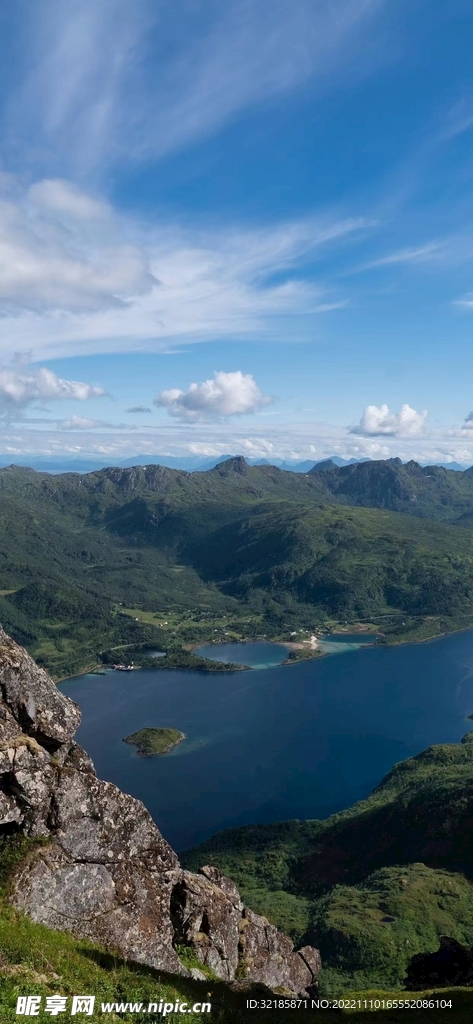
(104, 871)
(268, 956)
(207, 918)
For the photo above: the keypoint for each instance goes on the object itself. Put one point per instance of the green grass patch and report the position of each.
(151, 742)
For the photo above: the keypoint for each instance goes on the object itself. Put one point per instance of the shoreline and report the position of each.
(430, 639)
(140, 752)
(292, 645)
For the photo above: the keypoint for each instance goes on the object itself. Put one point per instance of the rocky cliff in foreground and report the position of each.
(104, 871)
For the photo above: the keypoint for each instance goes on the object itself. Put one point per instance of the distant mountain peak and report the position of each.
(321, 467)
(235, 464)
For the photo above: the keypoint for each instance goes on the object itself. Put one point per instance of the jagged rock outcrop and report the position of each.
(103, 870)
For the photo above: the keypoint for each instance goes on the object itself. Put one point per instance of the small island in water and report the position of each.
(151, 742)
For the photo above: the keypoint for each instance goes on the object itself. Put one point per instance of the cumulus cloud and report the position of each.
(379, 421)
(228, 394)
(139, 408)
(63, 250)
(21, 387)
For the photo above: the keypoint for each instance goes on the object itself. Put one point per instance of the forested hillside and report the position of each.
(75, 549)
(430, 492)
(374, 884)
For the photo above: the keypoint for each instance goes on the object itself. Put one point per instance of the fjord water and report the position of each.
(296, 741)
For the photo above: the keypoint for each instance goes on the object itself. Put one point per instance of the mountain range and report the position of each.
(384, 542)
(377, 541)
(188, 463)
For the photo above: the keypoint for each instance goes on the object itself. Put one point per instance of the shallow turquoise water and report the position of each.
(255, 655)
(338, 643)
(290, 742)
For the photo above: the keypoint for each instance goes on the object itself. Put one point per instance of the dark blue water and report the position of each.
(291, 742)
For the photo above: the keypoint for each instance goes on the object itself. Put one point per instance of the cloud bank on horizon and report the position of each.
(280, 192)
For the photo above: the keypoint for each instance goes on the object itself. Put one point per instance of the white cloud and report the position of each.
(84, 423)
(466, 429)
(228, 394)
(139, 408)
(81, 423)
(373, 450)
(62, 199)
(414, 254)
(379, 420)
(257, 446)
(76, 286)
(21, 387)
(63, 250)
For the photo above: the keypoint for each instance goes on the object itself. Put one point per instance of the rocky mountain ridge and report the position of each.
(101, 868)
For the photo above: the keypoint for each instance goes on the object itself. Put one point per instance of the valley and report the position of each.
(123, 565)
(148, 558)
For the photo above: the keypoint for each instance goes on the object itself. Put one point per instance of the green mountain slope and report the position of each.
(406, 853)
(37, 960)
(74, 548)
(341, 560)
(430, 492)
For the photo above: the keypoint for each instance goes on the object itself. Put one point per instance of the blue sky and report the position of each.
(249, 223)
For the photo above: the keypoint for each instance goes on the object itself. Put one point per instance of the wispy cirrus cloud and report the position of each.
(466, 302)
(75, 278)
(110, 80)
(411, 254)
(457, 120)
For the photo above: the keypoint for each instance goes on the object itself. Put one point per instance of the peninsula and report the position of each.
(151, 742)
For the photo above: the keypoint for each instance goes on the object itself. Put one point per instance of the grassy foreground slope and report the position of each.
(74, 549)
(374, 884)
(36, 960)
